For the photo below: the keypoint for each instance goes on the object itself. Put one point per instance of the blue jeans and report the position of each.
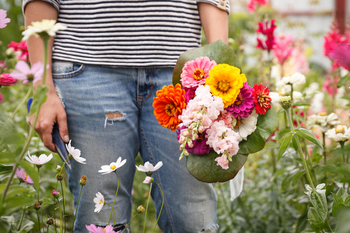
(91, 95)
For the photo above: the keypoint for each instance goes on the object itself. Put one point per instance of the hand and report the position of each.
(51, 112)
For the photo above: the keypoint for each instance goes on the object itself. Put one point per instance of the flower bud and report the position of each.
(185, 133)
(199, 117)
(186, 152)
(148, 180)
(182, 147)
(58, 168)
(190, 144)
(40, 201)
(55, 194)
(82, 181)
(140, 209)
(201, 129)
(59, 177)
(49, 221)
(37, 205)
(286, 102)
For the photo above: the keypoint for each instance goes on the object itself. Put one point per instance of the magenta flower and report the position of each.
(23, 175)
(55, 194)
(200, 146)
(7, 80)
(244, 104)
(22, 47)
(268, 32)
(190, 93)
(196, 71)
(253, 3)
(28, 74)
(282, 48)
(1, 98)
(341, 54)
(94, 229)
(3, 20)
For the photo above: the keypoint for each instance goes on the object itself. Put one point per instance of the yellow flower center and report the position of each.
(323, 114)
(25, 176)
(223, 86)
(198, 74)
(339, 129)
(104, 230)
(113, 167)
(101, 201)
(170, 109)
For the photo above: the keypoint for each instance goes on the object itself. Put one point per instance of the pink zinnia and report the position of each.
(282, 48)
(252, 4)
(244, 104)
(28, 74)
(267, 31)
(190, 93)
(23, 175)
(3, 20)
(7, 80)
(196, 71)
(94, 229)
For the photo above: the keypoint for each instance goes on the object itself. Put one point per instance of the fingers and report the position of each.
(62, 125)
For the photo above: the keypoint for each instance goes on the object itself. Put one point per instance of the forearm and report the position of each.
(214, 22)
(37, 11)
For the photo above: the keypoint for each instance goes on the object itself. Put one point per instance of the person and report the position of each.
(106, 68)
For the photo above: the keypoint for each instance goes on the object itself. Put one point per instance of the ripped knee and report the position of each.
(212, 228)
(114, 116)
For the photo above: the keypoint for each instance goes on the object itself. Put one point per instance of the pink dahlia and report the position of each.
(7, 80)
(282, 48)
(244, 104)
(28, 74)
(196, 71)
(3, 20)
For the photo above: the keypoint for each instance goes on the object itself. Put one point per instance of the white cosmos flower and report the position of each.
(48, 26)
(99, 202)
(246, 126)
(148, 167)
(339, 134)
(38, 161)
(105, 169)
(75, 153)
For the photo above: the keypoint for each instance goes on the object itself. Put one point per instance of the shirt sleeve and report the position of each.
(54, 3)
(222, 4)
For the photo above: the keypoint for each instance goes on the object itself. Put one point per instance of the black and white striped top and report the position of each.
(127, 33)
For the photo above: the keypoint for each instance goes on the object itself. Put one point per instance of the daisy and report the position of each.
(339, 134)
(28, 74)
(38, 161)
(75, 153)
(3, 20)
(99, 202)
(23, 175)
(148, 167)
(49, 27)
(105, 169)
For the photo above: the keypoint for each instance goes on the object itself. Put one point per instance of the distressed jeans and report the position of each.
(110, 115)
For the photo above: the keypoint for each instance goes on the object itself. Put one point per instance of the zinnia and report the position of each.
(261, 98)
(225, 81)
(244, 104)
(168, 106)
(7, 80)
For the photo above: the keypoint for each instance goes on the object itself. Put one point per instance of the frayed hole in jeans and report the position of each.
(114, 116)
(212, 228)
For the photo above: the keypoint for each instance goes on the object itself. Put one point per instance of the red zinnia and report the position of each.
(7, 80)
(261, 98)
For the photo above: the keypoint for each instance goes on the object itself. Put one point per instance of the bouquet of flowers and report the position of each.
(218, 117)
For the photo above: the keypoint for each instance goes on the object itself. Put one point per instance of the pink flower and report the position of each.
(190, 93)
(341, 55)
(28, 74)
(196, 71)
(298, 58)
(282, 48)
(2, 64)
(268, 32)
(3, 20)
(252, 4)
(1, 98)
(22, 47)
(330, 85)
(7, 80)
(94, 229)
(23, 175)
(55, 193)
(222, 162)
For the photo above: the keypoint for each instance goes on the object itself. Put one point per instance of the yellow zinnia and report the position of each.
(225, 81)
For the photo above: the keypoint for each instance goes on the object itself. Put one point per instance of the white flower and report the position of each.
(99, 202)
(148, 167)
(48, 26)
(105, 169)
(339, 134)
(333, 119)
(247, 126)
(38, 161)
(75, 153)
(148, 180)
(297, 96)
(317, 102)
(313, 87)
(295, 79)
(275, 98)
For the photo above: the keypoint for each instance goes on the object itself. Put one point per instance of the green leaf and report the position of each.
(15, 203)
(267, 125)
(7, 157)
(297, 176)
(314, 217)
(204, 168)
(218, 51)
(343, 80)
(32, 172)
(301, 223)
(316, 154)
(304, 133)
(284, 145)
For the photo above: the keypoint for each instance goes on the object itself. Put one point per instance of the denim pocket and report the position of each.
(62, 70)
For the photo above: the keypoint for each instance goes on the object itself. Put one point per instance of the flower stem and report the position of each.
(130, 222)
(343, 151)
(37, 213)
(46, 44)
(113, 212)
(76, 209)
(22, 102)
(61, 222)
(115, 198)
(161, 208)
(149, 195)
(22, 216)
(64, 207)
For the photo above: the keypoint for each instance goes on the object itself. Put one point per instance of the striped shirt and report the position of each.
(127, 33)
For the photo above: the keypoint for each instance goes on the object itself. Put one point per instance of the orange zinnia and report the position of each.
(168, 106)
